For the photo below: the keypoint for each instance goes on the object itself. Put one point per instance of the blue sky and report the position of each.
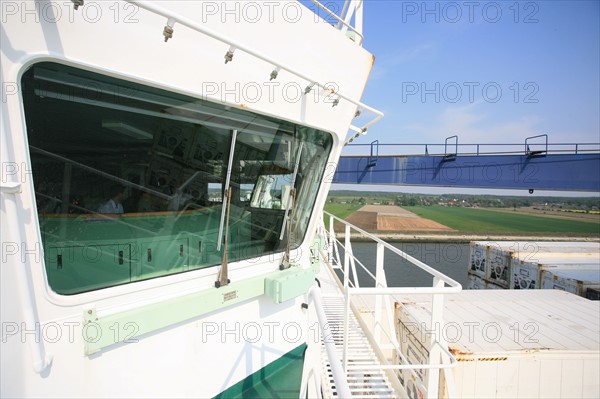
(490, 72)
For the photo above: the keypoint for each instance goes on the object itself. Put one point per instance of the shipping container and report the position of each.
(490, 261)
(478, 258)
(499, 260)
(575, 281)
(593, 294)
(531, 250)
(519, 264)
(528, 274)
(475, 282)
(525, 249)
(509, 344)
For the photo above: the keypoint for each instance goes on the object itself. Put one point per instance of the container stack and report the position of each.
(508, 344)
(569, 266)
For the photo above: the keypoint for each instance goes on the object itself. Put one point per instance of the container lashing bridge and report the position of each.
(532, 165)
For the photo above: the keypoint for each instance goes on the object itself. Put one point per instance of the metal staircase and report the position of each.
(362, 383)
(357, 352)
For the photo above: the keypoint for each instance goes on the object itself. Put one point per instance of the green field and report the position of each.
(475, 220)
(340, 210)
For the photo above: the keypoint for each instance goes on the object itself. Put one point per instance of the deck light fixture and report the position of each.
(356, 135)
(168, 30)
(229, 54)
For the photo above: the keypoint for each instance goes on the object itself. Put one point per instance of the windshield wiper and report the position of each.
(223, 278)
(291, 205)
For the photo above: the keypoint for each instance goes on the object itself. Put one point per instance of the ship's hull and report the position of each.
(173, 335)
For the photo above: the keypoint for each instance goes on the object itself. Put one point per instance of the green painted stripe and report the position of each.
(101, 332)
(279, 379)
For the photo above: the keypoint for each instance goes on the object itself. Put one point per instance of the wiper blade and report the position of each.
(223, 278)
(291, 205)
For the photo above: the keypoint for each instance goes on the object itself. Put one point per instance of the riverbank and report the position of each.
(465, 238)
(458, 224)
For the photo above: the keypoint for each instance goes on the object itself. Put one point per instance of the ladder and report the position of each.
(362, 383)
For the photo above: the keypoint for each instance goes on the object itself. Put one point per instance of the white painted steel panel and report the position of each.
(552, 370)
(529, 383)
(591, 371)
(571, 378)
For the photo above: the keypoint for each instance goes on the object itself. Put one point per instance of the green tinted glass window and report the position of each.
(130, 179)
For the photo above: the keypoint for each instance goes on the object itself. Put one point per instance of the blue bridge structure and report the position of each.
(535, 166)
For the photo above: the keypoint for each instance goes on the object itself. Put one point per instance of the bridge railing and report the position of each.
(341, 18)
(353, 11)
(471, 148)
(380, 322)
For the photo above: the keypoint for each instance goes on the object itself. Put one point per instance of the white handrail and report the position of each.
(340, 20)
(440, 357)
(404, 290)
(173, 18)
(339, 375)
(451, 282)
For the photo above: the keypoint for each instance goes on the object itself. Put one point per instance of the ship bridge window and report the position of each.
(129, 179)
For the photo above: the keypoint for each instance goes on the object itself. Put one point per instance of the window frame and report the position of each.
(201, 273)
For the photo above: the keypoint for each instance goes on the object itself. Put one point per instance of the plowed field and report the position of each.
(393, 218)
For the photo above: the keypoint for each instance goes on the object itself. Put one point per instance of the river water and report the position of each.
(448, 258)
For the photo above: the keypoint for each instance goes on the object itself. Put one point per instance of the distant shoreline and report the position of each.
(464, 238)
(462, 225)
